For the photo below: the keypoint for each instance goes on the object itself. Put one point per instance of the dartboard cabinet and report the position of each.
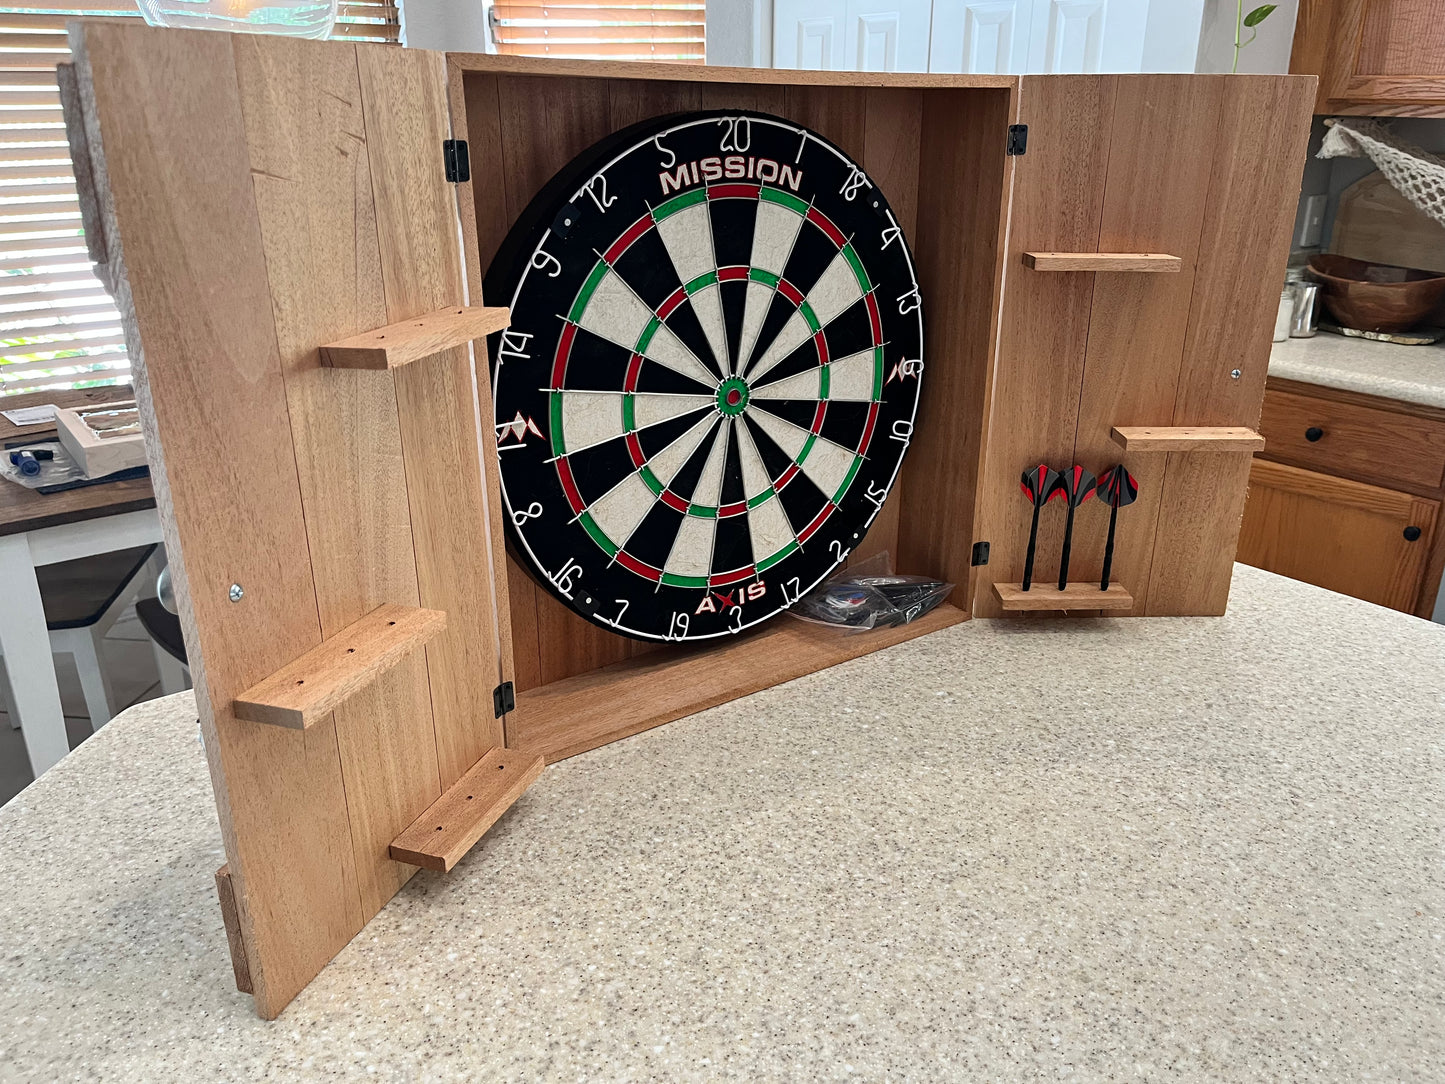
(497, 407)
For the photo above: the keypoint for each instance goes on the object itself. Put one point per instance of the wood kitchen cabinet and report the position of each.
(1347, 495)
(1373, 57)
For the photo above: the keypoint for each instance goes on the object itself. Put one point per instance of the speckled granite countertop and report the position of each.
(1153, 849)
(1412, 374)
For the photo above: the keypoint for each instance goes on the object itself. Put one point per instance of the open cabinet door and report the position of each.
(260, 197)
(1204, 169)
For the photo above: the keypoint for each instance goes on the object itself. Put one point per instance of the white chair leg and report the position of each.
(174, 678)
(7, 700)
(85, 647)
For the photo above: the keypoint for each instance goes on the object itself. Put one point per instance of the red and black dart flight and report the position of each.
(1076, 484)
(1116, 489)
(1040, 486)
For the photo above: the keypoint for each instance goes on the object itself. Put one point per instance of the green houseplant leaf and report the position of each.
(1259, 15)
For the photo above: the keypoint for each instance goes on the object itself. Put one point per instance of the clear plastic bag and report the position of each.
(870, 596)
(60, 469)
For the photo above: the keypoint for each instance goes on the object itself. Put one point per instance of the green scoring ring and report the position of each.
(732, 396)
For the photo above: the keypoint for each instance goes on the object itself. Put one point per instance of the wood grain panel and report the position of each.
(404, 104)
(1199, 516)
(1309, 50)
(1369, 443)
(577, 114)
(1187, 438)
(482, 209)
(631, 101)
(453, 824)
(303, 693)
(305, 132)
(395, 345)
(1154, 196)
(744, 95)
(962, 177)
(1076, 597)
(766, 79)
(1402, 37)
(582, 712)
(837, 114)
(230, 916)
(1258, 155)
(1058, 198)
(485, 194)
(1337, 534)
(1154, 262)
(1329, 398)
(893, 129)
(191, 285)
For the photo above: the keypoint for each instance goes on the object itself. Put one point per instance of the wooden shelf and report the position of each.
(1077, 596)
(411, 340)
(304, 691)
(452, 824)
(1187, 438)
(1102, 261)
(578, 713)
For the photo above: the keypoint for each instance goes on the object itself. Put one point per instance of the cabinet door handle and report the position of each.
(1313, 433)
(1412, 534)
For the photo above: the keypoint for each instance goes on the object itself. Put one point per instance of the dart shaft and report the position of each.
(1109, 548)
(1068, 545)
(1029, 558)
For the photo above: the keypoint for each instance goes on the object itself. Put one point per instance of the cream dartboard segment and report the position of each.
(710, 376)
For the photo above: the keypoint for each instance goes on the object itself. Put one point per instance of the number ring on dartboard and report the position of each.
(710, 375)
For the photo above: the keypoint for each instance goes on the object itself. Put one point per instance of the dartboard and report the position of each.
(710, 375)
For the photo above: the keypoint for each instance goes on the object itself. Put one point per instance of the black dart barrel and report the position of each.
(1040, 485)
(1116, 488)
(1077, 484)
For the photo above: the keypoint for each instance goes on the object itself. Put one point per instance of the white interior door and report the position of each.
(853, 35)
(1075, 36)
(985, 36)
(888, 35)
(809, 34)
(980, 37)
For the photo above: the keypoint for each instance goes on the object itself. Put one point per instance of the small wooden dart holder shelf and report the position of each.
(1076, 596)
(377, 681)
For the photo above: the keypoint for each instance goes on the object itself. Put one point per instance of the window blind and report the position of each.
(664, 31)
(58, 326)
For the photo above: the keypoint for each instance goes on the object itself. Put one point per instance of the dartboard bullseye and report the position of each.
(710, 376)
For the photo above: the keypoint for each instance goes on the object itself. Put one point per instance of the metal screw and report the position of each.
(1235, 374)
(237, 593)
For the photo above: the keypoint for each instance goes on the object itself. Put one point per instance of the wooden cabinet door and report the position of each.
(1117, 164)
(1373, 55)
(1349, 537)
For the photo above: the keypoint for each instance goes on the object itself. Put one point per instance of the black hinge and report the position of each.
(1018, 139)
(504, 698)
(458, 163)
(980, 553)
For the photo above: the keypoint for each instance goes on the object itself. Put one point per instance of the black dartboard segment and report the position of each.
(710, 376)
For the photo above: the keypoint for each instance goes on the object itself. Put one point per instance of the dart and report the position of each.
(1076, 484)
(1040, 485)
(1116, 489)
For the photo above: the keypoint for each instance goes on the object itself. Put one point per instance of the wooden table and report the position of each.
(38, 529)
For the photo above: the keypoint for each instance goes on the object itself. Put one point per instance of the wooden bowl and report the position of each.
(1376, 296)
